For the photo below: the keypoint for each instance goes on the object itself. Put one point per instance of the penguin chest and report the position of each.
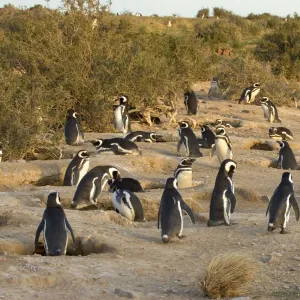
(266, 111)
(185, 179)
(254, 94)
(119, 125)
(272, 114)
(222, 150)
(123, 206)
(83, 169)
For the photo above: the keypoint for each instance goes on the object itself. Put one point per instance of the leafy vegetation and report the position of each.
(84, 57)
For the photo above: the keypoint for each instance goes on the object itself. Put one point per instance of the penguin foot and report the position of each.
(211, 223)
(283, 231)
(270, 228)
(234, 223)
(165, 238)
(181, 236)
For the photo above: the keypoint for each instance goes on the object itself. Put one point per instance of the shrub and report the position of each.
(203, 12)
(228, 275)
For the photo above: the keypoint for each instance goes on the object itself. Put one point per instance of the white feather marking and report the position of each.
(45, 240)
(287, 212)
(92, 192)
(181, 218)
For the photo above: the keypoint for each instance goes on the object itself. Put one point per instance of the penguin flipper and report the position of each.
(188, 210)
(38, 232)
(295, 206)
(179, 144)
(230, 195)
(75, 176)
(213, 150)
(70, 229)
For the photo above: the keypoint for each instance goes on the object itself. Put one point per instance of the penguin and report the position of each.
(281, 134)
(77, 168)
(188, 138)
(223, 200)
(54, 225)
(184, 174)
(118, 146)
(127, 204)
(143, 136)
(73, 132)
(190, 102)
(280, 205)
(1, 152)
(129, 184)
(92, 184)
(230, 124)
(121, 121)
(170, 214)
(222, 145)
(286, 160)
(250, 93)
(207, 137)
(270, 110)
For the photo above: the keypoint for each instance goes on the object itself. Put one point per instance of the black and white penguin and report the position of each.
(223, 200)
(230, 124)
(77, 168)
(222, 145)
(73, 132)
(188, 138)
(130, 184)
(118, 146)
(127, 204)
(54, 225)
(170, 214)
(281, 134)
(286, 160)
(207, 137)
(143, 136)
(250, 93)
(121, 121)
(280, 205)
(270, 110)
(190, 102)
(184, 173)
(1, 152)
(92, 184)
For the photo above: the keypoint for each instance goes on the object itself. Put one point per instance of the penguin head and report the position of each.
(220, 131)
(83, 154)
(112, 185)
(187, 161)
(184, 124)
(171, 183)
(256, 84)
(123, 99)
(264, 100)
(53, 200)
(114, 173)
(272, 130)
(186, 96)
(229, 167)
(287, 177)
(218, 122)
(97, 143)
(283, 144)
(71, 113)
(204, 128)
(155, 136)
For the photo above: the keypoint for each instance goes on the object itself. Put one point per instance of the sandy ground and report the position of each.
(128, 260)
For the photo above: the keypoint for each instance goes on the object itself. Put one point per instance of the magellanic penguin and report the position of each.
(250, 93)
(54, 225)
(121, 121)
(184, 173)
(190, 102)
(130, 184)
(1, 152)
(223, 201)
(270, 110)
(170, 214)
(118, 146)
(222, 145)
(188, 138)
(280, 205)
(92, 184)
(77, 168)
(207, 137)
(286, 160)
(127, 204)
(143, 136)
(73, 132)
(281, 134)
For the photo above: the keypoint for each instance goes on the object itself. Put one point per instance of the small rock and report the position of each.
(269, 259)
(297, 258)
(125, 294)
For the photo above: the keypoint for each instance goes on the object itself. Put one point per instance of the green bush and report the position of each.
(203, 12)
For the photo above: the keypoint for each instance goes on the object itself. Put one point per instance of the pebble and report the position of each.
(125, 294)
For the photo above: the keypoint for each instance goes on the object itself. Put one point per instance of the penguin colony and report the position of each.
(90, 184)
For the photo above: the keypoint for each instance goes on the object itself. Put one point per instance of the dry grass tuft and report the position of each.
(228, 275)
